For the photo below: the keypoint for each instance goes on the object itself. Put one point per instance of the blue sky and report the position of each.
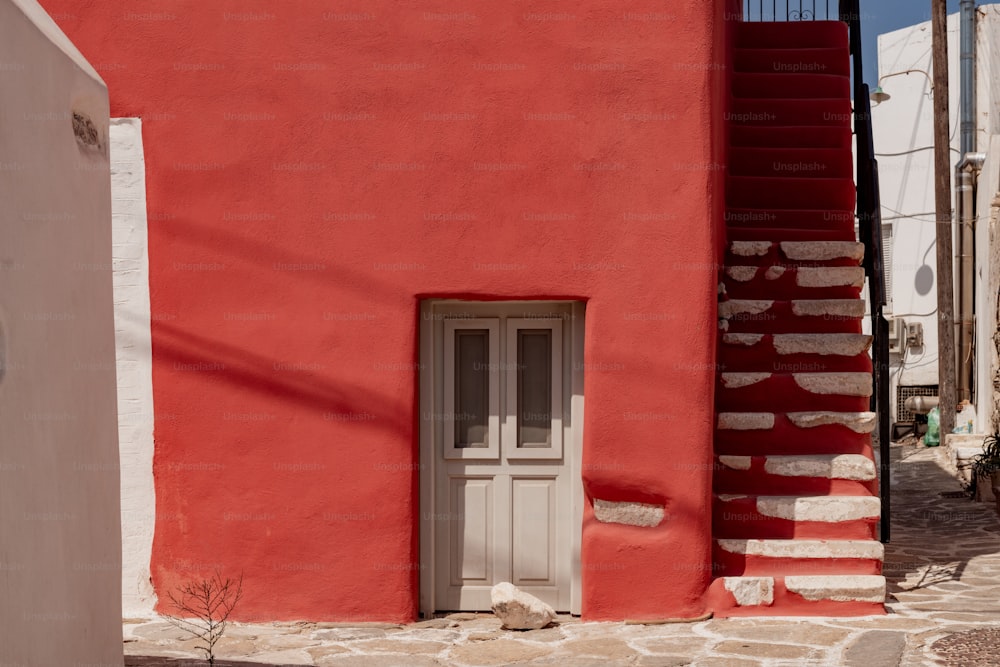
(879, 16)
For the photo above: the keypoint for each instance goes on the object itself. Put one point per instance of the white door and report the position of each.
(500, 423)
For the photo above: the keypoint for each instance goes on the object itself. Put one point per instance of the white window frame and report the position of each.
(492, 450)
(510, 448)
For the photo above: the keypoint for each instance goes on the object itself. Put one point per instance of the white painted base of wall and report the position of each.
(133, 352)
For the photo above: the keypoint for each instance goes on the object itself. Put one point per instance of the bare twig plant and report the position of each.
(203, 609)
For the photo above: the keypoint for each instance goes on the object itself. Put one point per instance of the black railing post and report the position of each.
(870, 233)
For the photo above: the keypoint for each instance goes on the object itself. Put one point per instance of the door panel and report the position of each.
(472, 528)
(533, 519)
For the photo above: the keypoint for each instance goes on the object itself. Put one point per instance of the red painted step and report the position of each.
(756, 85)
(733, 395)
(756, 234)
(791, 162)
(792, 35)
(740, 518)
(729, 564)
(790, 136)
(808, 219)
(799, 316)
(811, 353)
(786, 602)
(786, 283)
(844, 253)
(786, 439)
(774, 113)
(755, 481)
(790, 193)
(796, 61)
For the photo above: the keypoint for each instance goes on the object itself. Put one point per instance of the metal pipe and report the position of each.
(967, 71)
(966, 172)
(921, 405)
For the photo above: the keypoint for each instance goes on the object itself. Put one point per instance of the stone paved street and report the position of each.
(942, 567)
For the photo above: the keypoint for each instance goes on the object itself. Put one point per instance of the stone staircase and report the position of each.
(796, 500)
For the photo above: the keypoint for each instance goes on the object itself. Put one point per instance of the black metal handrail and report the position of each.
(870, 233)
(790, 10)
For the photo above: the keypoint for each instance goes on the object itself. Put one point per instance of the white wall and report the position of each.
(60, 534)
(987, 73)
(135, 382)
(904, 124)
(903, 132)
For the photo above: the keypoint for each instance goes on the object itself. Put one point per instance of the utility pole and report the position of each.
(942, 206)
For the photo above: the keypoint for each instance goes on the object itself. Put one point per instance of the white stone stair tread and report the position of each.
(822, 509)
(840, 344)
(843, 344)
(822, 276)
(840, 384)
(838, 587)
(864, 549)
(859, 422)
(759, 591)
(827, 466)
(822, 250)
(813, 251)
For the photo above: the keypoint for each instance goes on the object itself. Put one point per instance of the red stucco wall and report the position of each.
(313, 171)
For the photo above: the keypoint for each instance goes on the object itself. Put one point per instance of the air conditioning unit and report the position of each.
(897, 335)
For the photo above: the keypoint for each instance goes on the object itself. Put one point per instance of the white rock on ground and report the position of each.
(519, 610)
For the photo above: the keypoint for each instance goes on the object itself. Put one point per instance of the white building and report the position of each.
(904, 146)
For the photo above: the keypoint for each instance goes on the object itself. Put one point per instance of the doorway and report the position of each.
(501, 410)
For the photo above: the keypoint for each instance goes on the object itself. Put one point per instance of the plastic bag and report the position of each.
(965, 419)
(933, 436)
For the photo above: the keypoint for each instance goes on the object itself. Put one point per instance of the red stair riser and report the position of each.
(794, 35)
(785, 438)
(756, 482)
(787, 162)
(835, 61)
(773, 85)
(840, 220)
(790, 193)
(734, 565)
(761, 358)
(770, 113)
(792, 136)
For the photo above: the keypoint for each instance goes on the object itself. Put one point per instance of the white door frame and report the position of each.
(572, 447)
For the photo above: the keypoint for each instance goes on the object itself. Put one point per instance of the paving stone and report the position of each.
(609, 648)
(159, 630)
(379, 661)
(571, 661)
(326, 650)
(551, 634)
(409, 647)
(878, 647)
(727, 662)
(758, 650)
(434, 624)
(462, 616)
(778, 631)
(348, 634)
(673, 661)
(885, 623)
(326, 625)
(292, 657)
(675, 645)
(499, 652)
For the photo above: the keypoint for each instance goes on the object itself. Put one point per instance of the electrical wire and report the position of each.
(914, 150)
